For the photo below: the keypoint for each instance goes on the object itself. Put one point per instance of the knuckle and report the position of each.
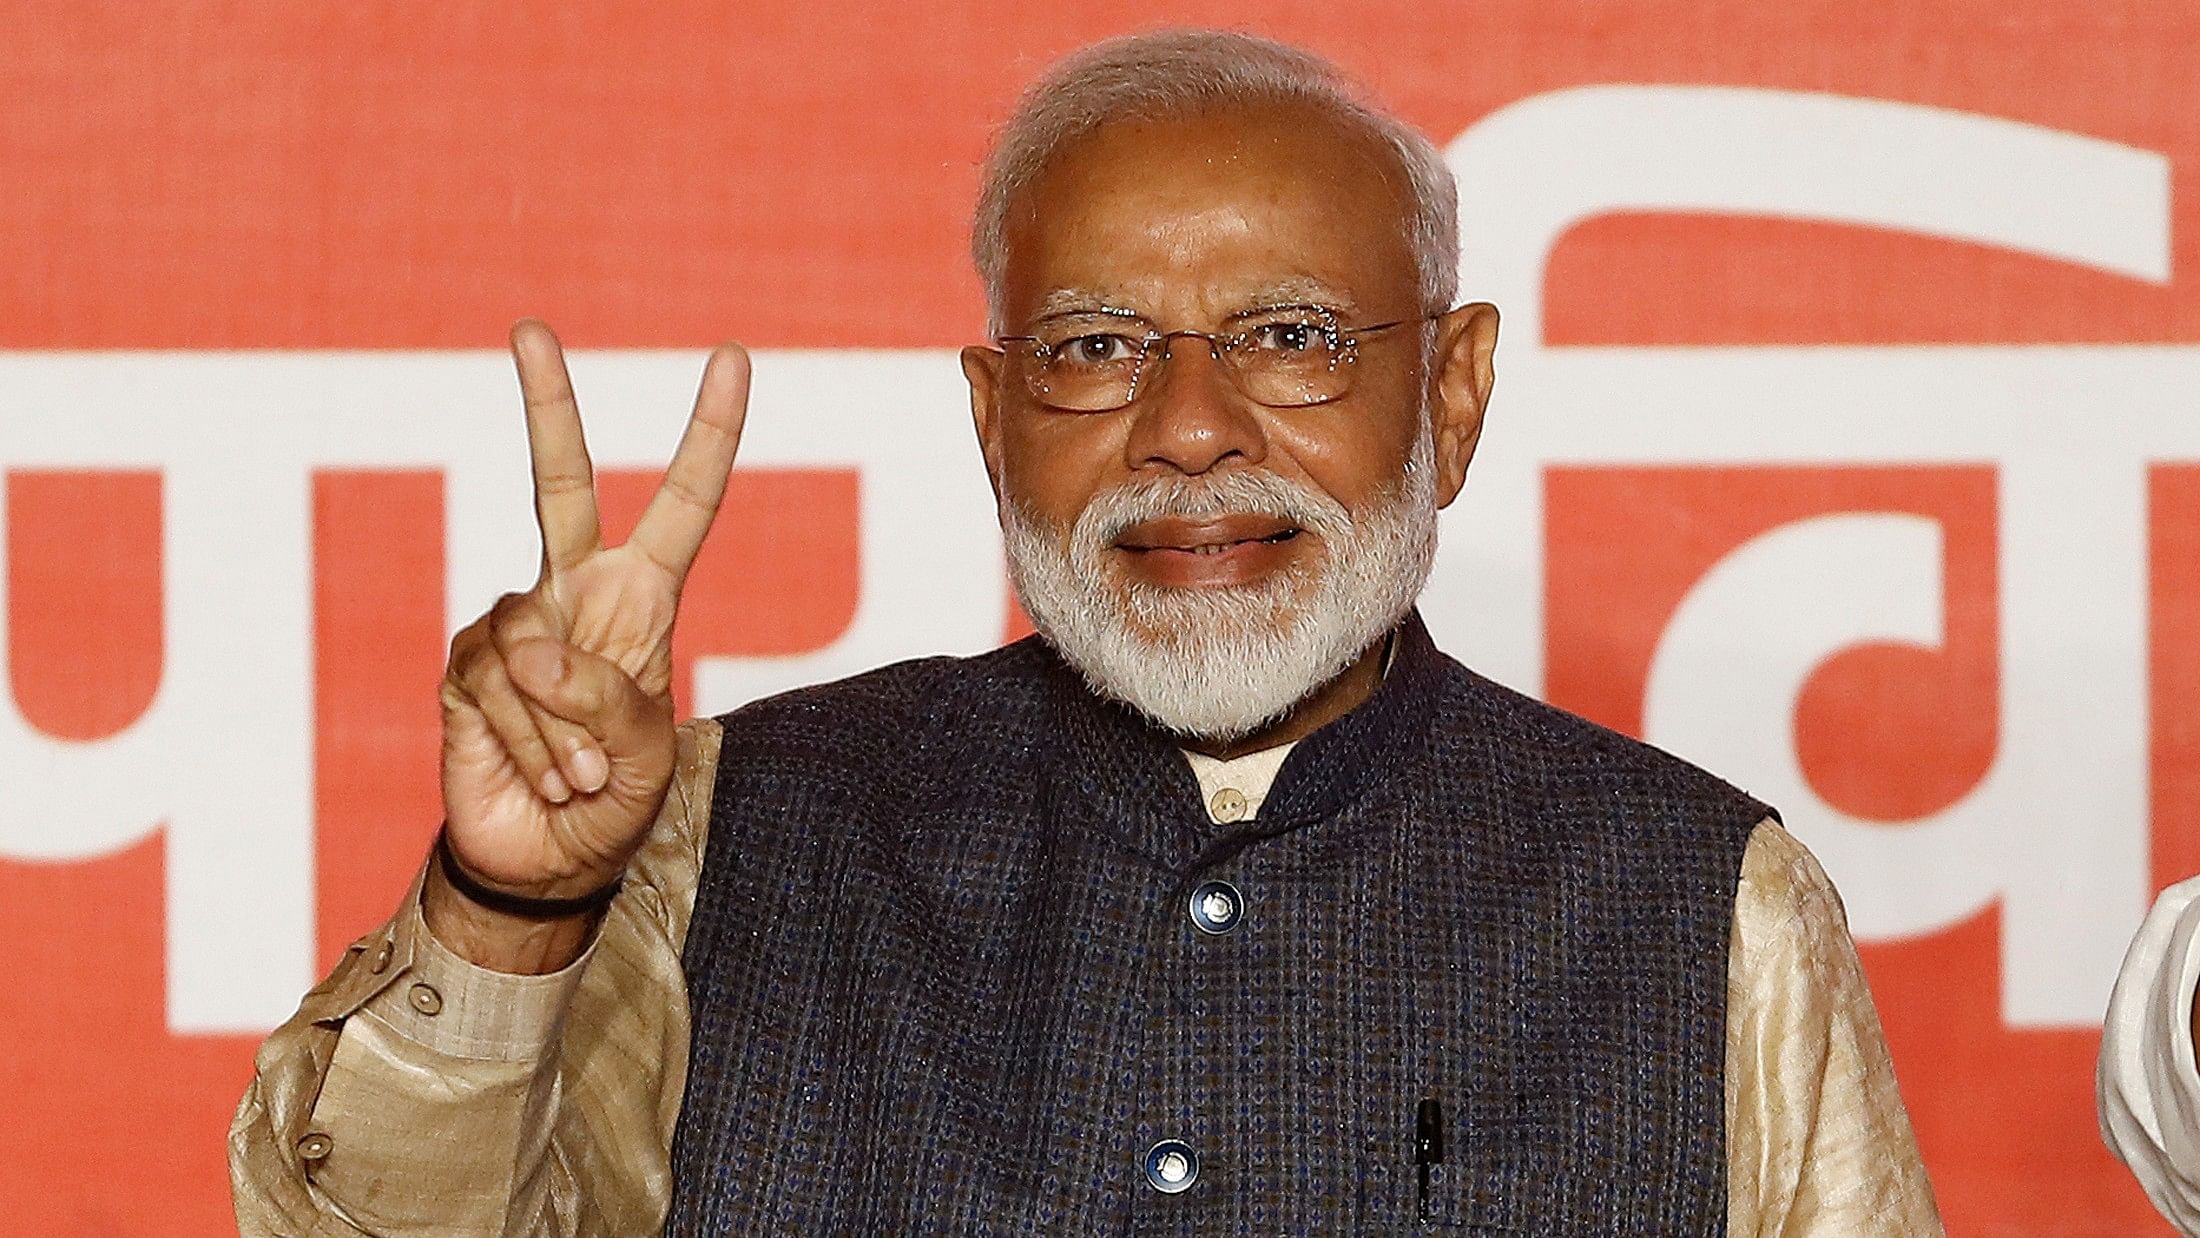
(468, 639)
(626, 702)
(557, 483)
(546, 387)
(465, 664)
(527, 748)
(630, 697)
(688, 493)
(546, 722)
(482, 673)
(568, 737)
(532, 760)
(455, 697)
(586, 691)
(517, 732)
(517, 622)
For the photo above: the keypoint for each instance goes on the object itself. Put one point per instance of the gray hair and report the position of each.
(1172, 73)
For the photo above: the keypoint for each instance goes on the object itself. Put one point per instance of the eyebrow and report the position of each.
(1283, 294)
(1077, 301)
(1288, 293)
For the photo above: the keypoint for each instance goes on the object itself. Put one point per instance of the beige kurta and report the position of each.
(415, 1094)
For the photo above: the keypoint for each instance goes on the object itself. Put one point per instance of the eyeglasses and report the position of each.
(1096, 361)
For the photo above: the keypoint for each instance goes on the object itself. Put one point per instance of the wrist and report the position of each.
(541, 904)
(499, 940)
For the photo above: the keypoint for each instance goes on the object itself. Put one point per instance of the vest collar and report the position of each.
(1145, 792)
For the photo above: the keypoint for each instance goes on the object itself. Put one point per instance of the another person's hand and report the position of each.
(557, 704)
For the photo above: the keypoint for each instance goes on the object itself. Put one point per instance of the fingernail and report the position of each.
(592, 770)
(554, 788)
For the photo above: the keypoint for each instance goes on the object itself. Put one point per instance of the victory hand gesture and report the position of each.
(557, 704)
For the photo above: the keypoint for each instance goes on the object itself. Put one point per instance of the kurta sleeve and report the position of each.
(2148, 1089)
(414, 1093)
(1818, 1142)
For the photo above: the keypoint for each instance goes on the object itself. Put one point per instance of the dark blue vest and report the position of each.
(944, 979)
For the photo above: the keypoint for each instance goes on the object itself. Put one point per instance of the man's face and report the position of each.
(1189, 225)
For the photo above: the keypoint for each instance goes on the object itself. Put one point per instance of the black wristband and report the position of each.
(518, 904)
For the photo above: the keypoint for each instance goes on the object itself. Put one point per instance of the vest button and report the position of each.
(1216, 907)
(1171, 1166)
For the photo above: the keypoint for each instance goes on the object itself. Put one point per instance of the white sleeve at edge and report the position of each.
(2149, 1089)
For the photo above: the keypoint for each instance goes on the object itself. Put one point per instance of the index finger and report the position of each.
(565, 482)
(672, 527)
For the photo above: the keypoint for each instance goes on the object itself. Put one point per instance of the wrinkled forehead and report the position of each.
(1188, 219)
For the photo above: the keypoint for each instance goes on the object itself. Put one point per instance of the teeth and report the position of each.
(1215, 548)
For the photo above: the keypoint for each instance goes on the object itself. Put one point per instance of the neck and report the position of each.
(1326, 704)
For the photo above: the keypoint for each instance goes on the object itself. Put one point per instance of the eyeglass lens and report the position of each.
(1282, 358)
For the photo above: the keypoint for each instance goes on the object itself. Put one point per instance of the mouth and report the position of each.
(1216, 552)
(1207, 538)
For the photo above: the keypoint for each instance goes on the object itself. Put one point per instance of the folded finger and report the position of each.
(632, 729)
(484, 686)
(514, 621)
(577, 753)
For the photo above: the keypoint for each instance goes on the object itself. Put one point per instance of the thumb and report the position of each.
(595, 694)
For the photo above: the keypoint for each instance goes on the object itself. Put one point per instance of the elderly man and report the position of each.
(1228, 904)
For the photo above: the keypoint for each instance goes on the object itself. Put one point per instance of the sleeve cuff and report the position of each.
(446, 1004)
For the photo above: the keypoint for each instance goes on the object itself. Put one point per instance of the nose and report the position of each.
(1191, 418)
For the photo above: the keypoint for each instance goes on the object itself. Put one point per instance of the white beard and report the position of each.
(1219, 664)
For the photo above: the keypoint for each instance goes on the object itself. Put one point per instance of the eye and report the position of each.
(1098, 348)
(1290, 338)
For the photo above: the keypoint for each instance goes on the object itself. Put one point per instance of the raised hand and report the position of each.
(557, 704)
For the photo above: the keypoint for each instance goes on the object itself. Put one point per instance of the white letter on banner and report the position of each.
(219, 761)
(1814, 588)
(2057, 831)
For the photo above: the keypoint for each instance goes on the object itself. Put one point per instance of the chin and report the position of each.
(1219, 676)
(1222, 661)
(1213, 663)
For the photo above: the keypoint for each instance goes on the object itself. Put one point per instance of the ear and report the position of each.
(1461, 375)
(982, 369)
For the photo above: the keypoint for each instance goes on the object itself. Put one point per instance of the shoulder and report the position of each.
(932, 691)
(1487, 729)
(1791, 952)
(1784, 894)
(908, 719)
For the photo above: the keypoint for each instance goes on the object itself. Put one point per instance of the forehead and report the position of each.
(1189, 219)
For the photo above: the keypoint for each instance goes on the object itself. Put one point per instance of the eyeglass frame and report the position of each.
(1216, 341)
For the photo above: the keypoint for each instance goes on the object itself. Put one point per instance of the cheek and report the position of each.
(1052, 465)
(1350, 455)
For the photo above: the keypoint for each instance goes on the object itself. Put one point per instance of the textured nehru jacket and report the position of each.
(944, 980)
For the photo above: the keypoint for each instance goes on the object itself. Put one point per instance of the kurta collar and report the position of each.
(1114, 757)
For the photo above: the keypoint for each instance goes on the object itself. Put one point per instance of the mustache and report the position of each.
(1244, 492)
